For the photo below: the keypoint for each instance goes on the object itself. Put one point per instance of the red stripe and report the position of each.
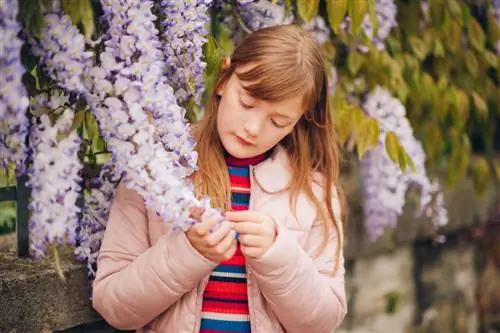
(227, 287)
(222, 307)
(239, 181)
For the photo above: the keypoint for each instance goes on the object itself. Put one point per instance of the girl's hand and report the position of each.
(257, 232)
(216, 246)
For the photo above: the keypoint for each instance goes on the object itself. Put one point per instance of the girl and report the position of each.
(268, 157)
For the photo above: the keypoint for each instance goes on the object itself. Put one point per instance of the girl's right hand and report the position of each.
(216, 246)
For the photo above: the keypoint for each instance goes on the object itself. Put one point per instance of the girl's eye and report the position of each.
(277, 125)
(246, 106)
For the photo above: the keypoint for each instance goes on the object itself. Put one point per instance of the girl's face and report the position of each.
(248, 127)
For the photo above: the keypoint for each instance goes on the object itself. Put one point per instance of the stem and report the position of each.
(57, 262)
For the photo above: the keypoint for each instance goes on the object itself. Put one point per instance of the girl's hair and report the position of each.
(286, 62)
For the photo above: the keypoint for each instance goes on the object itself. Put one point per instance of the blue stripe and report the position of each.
(241, 198)
(227, 326)
(239, 171)
(230, 269)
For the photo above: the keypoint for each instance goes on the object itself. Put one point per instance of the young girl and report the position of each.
(268, 157)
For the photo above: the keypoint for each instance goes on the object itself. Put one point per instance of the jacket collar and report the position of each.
(273, 174)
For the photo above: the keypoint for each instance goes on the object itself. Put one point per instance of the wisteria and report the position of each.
(13, 95)
(54, 179)
(95, 215)
(183, 36)
(385, 11)
(385, 185)
(61, 49)
(246, 16)
(127, 85)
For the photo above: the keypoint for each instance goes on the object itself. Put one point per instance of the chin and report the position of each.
(235, 149)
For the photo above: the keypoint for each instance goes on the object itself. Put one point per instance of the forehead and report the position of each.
(292, 106)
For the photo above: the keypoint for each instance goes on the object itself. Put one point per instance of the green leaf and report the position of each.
(374, 130)
(454, 37)
(357, 10)
(344, 122)
(354, 62)
(87, 15)
(480, 106)
(475, 34)
(491, 58)
(401, 154)
(418, 47)
(336, 10)
(367, 135)
(307, 9)
(439, 48)
(392, 146)
(471, 62)
(454, 8)
(73, 10)
(373, 16)
(480, 174)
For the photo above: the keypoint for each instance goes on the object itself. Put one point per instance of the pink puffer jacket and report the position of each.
(153, 281)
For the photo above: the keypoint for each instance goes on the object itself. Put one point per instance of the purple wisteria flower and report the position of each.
(385, 11)
(139, 116)
(384, 184)
(496, 12)
(183, 36)
(95, 215)
(61, 49)
(13, 94)
(54, 179)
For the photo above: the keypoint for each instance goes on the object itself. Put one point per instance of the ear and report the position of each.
(226, 63)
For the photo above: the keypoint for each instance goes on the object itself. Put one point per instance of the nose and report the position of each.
(253, 126)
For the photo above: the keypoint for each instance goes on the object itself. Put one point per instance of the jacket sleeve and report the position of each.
(135, 282)
(302, 290)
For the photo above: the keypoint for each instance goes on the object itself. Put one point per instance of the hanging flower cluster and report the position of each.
(54, 179)
(13, 95)
(183, 36)
(126, 91)
(385, 185)
(62, 51)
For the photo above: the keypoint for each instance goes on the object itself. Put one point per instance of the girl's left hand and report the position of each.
(257, 232)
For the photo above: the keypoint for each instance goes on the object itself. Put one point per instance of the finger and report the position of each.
(251, 240)
(208, 224)
(244, 215)
(251, 228)
(215, 237)
(252, 252)
(225, 243)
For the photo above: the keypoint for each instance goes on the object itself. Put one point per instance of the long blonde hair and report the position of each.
(287, 62)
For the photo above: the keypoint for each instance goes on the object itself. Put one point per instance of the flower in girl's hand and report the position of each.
(257, 232)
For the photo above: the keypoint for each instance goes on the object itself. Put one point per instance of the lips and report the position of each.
(244, 142)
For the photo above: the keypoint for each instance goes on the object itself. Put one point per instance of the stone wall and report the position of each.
(405, 282)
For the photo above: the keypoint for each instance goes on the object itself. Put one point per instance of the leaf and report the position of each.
(439, 48)
(307, 9)
(454, 36)
(77, 121)
(357, 10)
(471, 62)
(354, 62)
(491, 58)
(73, 10)
(344, 121)
(392, 146)
(87, 15)
(480, 106)
(480, 174)
(475, 34)
(336, 10)
(401, 154)
(374, 130)
(462, 105)
(454, 8)
(418, 47)
(367, 135)
(373, 16)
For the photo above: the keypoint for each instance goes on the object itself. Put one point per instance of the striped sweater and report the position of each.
(225, 300)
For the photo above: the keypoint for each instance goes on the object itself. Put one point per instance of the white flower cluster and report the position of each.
(54, 179)
(183, 36)
(13, 95)
(384, 184)
(61, 49)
